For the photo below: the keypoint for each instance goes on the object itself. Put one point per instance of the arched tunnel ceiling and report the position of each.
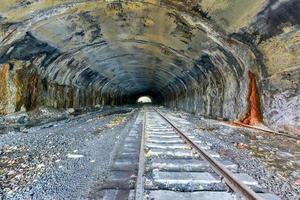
(137, 46)
(163, 48)
(134, 46)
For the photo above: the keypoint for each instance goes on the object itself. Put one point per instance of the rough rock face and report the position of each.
(281, 86)
(191, 55)
(3, 88)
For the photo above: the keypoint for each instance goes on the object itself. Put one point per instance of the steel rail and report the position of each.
(263, 130)
(139, 187)
(229, 178)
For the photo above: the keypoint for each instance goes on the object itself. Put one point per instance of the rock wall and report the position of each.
(10, 94)
(4, 88)
(189, 55)
(23, 89)
(281, 88)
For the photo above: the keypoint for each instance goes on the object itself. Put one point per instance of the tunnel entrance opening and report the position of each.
(144, 100)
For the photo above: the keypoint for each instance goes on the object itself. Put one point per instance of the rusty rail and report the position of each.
(139, 187)
(262, 130)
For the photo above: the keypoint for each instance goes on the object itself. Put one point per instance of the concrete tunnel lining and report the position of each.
(99, 52)
(54, 74)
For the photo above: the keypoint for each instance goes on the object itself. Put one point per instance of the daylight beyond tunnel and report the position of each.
(235, 60)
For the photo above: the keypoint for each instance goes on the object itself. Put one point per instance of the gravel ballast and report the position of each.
(61, 160)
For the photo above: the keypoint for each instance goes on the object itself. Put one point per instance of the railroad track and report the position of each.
(175, 165)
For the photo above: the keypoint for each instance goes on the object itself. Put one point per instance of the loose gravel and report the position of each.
(60, 160)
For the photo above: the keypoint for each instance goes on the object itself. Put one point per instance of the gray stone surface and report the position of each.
(184, 178)
(181, 153)
(165, 195)
(165, 141)
(170, 146)
(163, 136)
(179, 165)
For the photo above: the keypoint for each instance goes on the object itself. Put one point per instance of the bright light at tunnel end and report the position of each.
(144, 99)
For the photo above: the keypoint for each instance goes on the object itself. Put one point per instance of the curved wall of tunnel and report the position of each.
(186, 55)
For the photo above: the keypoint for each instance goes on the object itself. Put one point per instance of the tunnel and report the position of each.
(231, 60)
(144, 99)
(194, 56)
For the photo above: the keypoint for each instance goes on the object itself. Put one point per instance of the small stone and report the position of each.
(284, 154)
(24, 130)
(260, 149)
(12, 172)
(41, 166)
(296, 174)
(297, 162)
(240, 145)
(71, 110)
(252, 137)
(7, 190)
(98, 106)
(23, 120)
(19, 176)
(74, 156)
(297, 183)
(259, 137)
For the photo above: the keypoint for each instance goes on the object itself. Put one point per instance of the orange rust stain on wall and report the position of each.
(18, 84)
(253, 115)
(3, 88)
(33, 92)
